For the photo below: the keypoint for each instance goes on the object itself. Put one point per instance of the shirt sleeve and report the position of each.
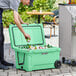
(14, 4)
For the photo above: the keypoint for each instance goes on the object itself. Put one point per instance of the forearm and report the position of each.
(21, 21)
(18, 23)
(20, 27)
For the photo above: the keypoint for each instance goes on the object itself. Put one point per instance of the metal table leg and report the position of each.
(38, 18)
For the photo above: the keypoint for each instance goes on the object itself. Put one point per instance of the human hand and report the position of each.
(27, 36)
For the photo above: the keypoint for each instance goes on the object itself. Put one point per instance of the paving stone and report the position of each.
(14, 75)
(45, 75)
(67, 74)
(14, 69)
(73, 73)
(64, 66)
(65, 70)
(47, 71)
(58, 75)
(39, 71)
(3, 74)
(1, 70)
(68, 68)
(74, 69)
(57, 71)
(35, 73)
(31, 73)
(21, 71)
(51, 74)
(26, 74)
(9, 70)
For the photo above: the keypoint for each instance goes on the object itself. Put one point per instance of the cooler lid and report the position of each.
(34, 30)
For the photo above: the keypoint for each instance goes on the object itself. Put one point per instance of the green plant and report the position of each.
(37, 4)
(64, 2)
(46, 5)
(7, 18)
(48, 18)
(51, 3)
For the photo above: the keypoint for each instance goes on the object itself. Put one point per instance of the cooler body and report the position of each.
(36, 59)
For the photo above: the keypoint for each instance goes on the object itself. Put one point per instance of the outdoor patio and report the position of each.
(65, 70)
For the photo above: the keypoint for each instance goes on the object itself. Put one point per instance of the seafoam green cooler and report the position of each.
(33, 59)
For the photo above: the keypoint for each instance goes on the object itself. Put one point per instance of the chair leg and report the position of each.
(43, 25)
(54, 30)
(50, 32)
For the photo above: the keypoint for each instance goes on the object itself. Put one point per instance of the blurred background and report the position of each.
(45, 5)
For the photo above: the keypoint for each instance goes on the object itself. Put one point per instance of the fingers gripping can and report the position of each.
(28, 40)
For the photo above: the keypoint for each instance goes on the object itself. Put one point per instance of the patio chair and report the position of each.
(53, 23)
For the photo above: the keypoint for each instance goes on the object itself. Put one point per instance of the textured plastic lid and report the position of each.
(34, 30)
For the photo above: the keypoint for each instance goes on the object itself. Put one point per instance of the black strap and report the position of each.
(23, 59)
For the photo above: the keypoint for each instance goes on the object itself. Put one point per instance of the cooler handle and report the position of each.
(18, 59)
(44, 53)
